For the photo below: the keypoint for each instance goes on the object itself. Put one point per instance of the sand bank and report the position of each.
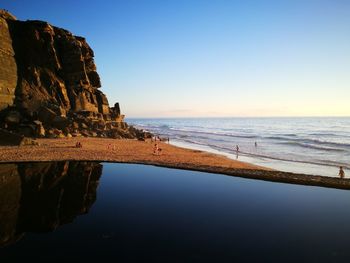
(141, 152)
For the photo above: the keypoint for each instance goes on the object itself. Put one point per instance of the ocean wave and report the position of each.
(309, 141)
(315, 147)
(320, 162)
(331, 135)
(337, 144)
(215, 133)
(328, 163)
(290, 134)
(278, 138)
(197, 143)
(323, 134)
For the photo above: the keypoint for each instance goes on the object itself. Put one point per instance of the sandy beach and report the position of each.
(141, 152)
(125, 151)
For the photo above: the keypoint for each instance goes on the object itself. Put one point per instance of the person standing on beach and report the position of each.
(155, 149)
(341, 172)
(237, 148)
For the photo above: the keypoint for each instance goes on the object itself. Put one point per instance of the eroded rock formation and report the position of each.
(8, 67)
(49, 85)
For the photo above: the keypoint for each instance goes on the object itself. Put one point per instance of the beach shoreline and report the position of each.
(112, 150)
(284, 144)
(141, 152)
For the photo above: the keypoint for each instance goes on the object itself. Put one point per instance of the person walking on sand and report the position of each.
(341, 172)
(237, 148)
(155, 149)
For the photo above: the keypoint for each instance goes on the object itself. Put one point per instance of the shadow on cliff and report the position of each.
(39, 197)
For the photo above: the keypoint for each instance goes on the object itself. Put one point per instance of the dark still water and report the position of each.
(89, 212)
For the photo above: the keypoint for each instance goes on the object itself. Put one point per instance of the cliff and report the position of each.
(49, 85)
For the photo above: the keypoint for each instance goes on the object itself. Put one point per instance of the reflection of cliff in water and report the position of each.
(39, 197)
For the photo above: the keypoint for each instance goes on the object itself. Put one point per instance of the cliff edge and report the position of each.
(49, 86)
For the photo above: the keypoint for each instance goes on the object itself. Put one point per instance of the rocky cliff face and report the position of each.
(8, 67)
(49, 85)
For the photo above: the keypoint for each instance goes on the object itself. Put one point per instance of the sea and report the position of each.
(309, 145)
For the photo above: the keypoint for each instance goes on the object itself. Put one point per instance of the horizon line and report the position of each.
(206, 117)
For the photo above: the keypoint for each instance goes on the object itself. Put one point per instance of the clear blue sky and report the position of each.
(212, 58)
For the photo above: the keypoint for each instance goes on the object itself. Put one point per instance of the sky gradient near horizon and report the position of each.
(198, 58)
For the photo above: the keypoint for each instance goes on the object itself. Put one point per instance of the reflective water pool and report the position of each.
(90, 211)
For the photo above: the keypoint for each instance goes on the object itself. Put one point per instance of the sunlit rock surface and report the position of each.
(49, 86)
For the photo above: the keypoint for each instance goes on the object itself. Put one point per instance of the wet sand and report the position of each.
(141, 152)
